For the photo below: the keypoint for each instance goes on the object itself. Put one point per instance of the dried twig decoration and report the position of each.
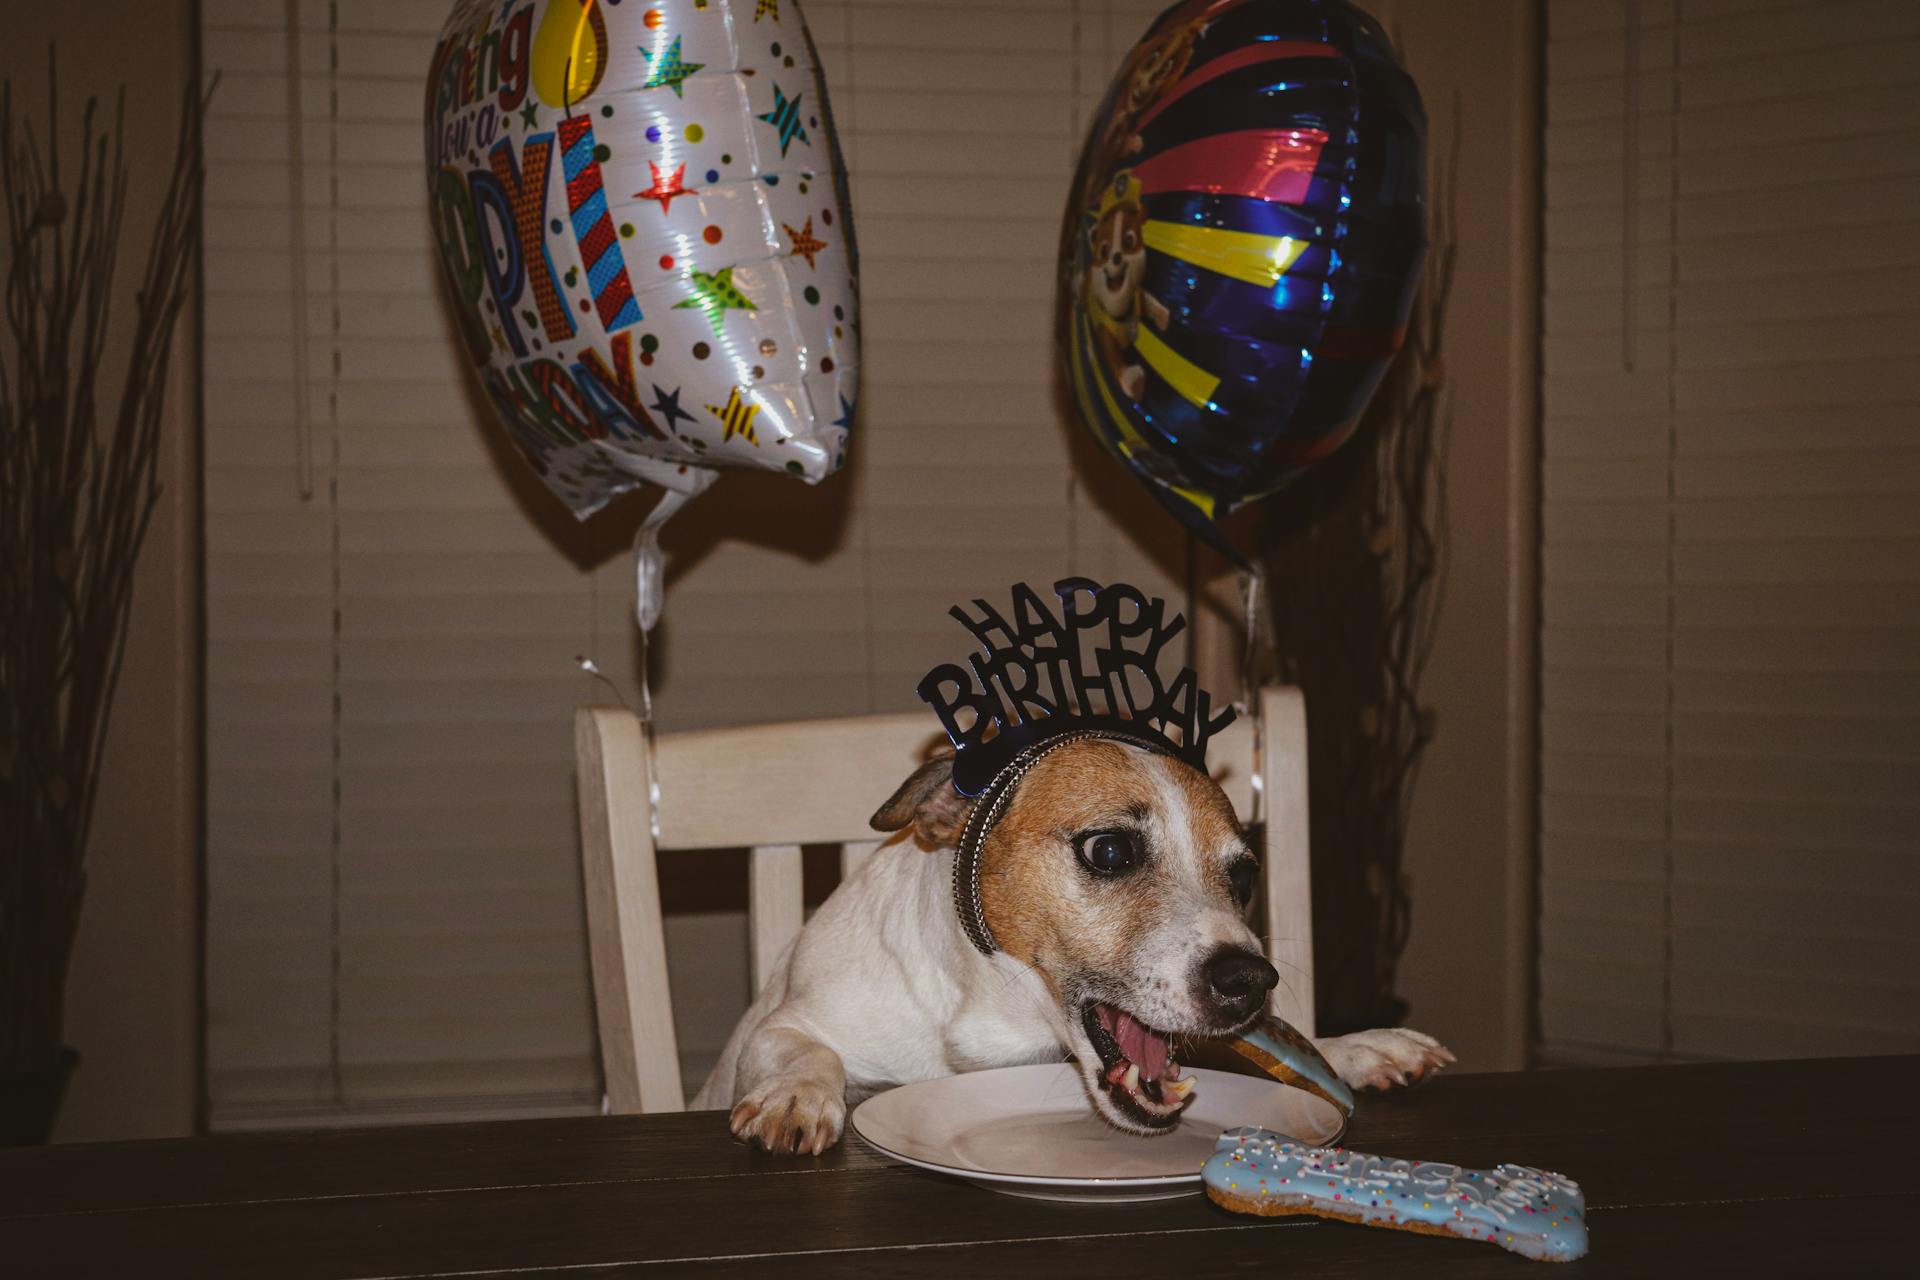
(1355, 555)
(78, 483)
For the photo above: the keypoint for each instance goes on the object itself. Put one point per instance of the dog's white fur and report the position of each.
(883, 988)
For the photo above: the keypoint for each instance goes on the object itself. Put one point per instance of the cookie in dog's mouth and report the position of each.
(1136, 1066)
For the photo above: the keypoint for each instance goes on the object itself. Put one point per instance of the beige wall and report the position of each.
(133, 995)
(1468, 965)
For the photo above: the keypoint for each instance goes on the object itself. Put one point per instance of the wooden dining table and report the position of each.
(1758, 1168)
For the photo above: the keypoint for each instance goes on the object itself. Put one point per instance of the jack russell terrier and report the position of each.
(1115, 882)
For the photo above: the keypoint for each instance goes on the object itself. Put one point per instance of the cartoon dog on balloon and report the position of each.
(1114, 288)
(1151, 69)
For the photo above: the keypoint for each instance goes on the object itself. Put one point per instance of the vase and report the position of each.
(29, 1100)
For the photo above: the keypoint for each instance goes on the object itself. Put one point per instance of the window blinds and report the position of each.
(394, 607)
(1730, 641)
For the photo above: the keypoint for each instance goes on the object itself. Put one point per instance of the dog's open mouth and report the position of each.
(1136, 1066)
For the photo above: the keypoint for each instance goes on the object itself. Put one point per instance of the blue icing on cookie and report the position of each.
(1528, 1211)
(1295, 1053)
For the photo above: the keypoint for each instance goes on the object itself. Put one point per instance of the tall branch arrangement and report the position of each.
(1355, 555)
(78, 483)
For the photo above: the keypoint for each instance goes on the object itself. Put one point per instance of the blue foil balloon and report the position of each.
(1247, 228)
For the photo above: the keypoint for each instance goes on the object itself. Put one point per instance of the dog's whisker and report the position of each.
(1025, 970)
(1276, 960)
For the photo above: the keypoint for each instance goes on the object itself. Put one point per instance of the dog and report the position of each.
(1116, 884)
(1116, 295)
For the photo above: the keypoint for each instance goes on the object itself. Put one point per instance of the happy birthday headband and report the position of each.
(1042, 680)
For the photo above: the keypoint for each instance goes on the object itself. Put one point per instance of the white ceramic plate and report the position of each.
(1030, 1131)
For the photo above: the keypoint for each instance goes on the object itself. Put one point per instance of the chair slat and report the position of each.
(809, 782)
(854, 855)
(626, 935)
(775, 905)
(1287, 882)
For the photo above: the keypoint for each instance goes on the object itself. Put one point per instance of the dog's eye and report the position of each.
(1108, 853)
(1241, 876)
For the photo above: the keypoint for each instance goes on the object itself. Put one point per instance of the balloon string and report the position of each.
(1252, 589)
(649, 565)
(649, 592)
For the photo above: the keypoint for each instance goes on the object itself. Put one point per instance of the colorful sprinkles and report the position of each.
(1528, 1211)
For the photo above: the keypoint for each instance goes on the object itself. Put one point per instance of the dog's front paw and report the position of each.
(788, 1115)
(1384, 1057)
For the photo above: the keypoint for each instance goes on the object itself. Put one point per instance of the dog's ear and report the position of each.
(928, 802)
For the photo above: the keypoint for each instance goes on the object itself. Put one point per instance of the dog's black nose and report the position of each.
(1239, 980)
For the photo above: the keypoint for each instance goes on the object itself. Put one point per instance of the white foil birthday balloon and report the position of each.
(642, 214)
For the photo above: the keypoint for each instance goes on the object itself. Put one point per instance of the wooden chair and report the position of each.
(775, 787)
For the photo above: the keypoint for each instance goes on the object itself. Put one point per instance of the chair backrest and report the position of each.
(776, 787)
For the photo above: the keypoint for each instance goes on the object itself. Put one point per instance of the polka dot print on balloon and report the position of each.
(653, 18)
(701, 351)
(713, 175)
(626, 231)
(712, 235)
(811, 295)
(666, 262)
(649, 343)
(695, 133)
(554, 226)
(826, 217)
(768, 346)
(602, 153)
(826, 364)
(653, 133)
(606, 112)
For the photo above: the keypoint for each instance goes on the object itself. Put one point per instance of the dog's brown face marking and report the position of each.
(1046, 908)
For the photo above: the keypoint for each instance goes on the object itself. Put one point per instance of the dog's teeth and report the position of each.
(1133, 1077)
(1181, 1087)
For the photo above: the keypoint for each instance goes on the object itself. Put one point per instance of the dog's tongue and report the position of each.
(1147, 1049)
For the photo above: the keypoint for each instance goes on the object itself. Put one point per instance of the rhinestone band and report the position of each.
(987, 811)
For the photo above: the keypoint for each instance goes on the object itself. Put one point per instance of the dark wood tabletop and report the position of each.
(1756, 1168)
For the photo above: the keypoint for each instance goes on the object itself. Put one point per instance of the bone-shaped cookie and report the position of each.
(1528, 1211)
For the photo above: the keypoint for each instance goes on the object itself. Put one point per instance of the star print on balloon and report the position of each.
(665, 189)
(845, 420)
(736, 416)
(785, 118)
(668, 69)
(667, 405)
(804, 243)
(607, 315)
(716, 295)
